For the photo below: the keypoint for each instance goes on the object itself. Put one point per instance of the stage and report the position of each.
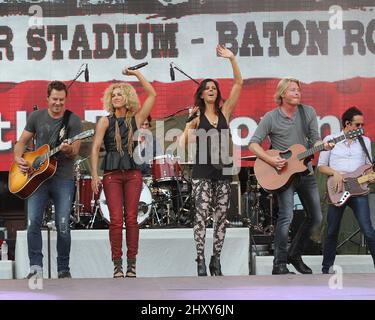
(166, 270)
(162, 253)
(285, 287)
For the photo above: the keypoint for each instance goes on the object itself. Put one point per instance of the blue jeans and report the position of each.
(361, 210)
(61, 191)
(307, 190)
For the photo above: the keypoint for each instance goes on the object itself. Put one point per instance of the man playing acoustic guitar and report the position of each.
(288, 125)
(51, 126)
(348, 156)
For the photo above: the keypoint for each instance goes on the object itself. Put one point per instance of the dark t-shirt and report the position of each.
(210, 149)
(43, 126)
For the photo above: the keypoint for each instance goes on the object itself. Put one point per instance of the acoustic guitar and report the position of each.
(42, 166)
(355, 184)
(274, 180)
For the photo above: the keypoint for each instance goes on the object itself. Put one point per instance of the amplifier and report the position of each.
(235, 201)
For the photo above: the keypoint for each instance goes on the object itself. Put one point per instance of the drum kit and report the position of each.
(260, 206)
(165, 198)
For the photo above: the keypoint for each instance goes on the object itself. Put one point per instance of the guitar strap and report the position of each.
(308, 138)
(304, 125)
(362, 142)
(61, 133)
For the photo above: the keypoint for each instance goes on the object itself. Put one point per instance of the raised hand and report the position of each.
(128, 72)
(224, 52)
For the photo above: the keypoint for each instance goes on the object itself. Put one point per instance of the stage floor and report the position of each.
(285, 287)
(162, 253)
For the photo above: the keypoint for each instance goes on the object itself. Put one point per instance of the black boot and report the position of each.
(281, 269)
(300, 266)
(201, 267)
(215, 267)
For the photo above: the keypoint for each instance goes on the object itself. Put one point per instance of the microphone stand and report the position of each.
(185, 74)
(77, 76)
(178, 111)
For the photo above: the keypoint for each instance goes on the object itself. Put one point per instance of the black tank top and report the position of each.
(113, 159)
(210, 169)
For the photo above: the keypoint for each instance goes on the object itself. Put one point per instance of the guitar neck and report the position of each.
(58, 148)
(319, 147)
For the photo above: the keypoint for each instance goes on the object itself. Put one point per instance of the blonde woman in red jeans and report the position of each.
(122, 181)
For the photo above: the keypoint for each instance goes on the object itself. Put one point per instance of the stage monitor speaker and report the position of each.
(371, 200)
(235, 201)
(310, 247)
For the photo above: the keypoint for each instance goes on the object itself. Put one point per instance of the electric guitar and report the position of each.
(274, 180)
(42, 167)
(355, 184)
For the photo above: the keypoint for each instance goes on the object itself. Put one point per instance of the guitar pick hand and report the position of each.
(22, 164)
(278, 162)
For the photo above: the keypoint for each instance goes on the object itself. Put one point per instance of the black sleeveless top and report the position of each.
(210, 168)
(113, 160)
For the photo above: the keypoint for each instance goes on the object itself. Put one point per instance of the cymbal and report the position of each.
(249, 158)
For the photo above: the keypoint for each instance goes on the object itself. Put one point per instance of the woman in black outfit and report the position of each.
(211, 186)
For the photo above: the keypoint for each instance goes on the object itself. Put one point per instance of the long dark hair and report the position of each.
(200, 102)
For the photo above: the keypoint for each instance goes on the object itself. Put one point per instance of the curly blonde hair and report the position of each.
(131, 105)
(281, 87)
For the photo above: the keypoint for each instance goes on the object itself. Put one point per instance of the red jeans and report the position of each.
(122, 189)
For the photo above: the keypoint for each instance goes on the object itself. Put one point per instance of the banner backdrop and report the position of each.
(329, 46)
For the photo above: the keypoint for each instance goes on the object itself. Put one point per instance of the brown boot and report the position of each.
(118, 272)
(131, 269)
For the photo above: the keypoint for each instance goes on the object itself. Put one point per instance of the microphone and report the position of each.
(35, 107)
(138, 66)
(87, 73)
(193, 116)
(171, 71)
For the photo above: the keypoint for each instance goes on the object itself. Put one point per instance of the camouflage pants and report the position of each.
(212, 200)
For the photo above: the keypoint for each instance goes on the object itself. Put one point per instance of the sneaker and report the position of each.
(34, 274)
(64, 274)
(35, 271)
(328, 271)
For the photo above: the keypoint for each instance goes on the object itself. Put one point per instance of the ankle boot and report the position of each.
(215, 267)
(131, 269)
(117, 272)
(201, 267)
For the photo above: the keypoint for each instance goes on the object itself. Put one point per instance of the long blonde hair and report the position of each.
(281, 87)
(131, 105)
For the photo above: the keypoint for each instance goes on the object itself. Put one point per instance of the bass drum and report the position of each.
(144, 206)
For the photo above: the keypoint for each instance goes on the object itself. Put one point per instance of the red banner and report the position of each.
(330, 100)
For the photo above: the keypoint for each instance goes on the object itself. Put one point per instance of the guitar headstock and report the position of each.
(354, 133)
